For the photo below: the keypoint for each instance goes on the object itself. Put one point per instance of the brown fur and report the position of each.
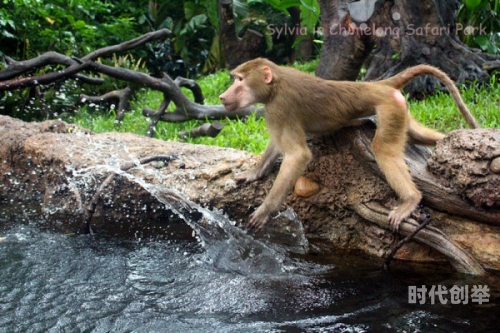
(297, 103)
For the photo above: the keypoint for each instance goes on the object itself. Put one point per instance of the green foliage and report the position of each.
(30, 27)
(309, 12)
(483, 19)
(308, 67)
(193, 35)
(192, 40)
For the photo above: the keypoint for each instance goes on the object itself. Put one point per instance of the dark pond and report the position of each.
(58, 283)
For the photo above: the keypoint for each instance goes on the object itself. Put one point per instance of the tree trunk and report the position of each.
(64, 178)
(237, 50)
(388, 36)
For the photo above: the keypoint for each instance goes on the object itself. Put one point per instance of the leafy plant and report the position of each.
(309, 12)
(193, 36)
(30, 27)
(480, 23)
(187, 50)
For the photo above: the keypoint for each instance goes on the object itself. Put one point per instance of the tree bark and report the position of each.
(396, 35)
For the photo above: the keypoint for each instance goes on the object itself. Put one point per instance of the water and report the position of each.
(57, 283)
(215, 278)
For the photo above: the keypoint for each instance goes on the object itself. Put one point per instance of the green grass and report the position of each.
(438, 111)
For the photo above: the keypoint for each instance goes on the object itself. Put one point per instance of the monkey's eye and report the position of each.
(238, 78)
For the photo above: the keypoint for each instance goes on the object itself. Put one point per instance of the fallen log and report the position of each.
(51, 171)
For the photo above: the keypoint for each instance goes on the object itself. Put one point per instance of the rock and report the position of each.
(466, 160)
(305, 187)
(495, 165)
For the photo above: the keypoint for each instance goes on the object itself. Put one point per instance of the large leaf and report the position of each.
(212, 13)
(472, 4)
(309, 10)
(192, 9)
(197, 22)
(284, 4)
(240, 8)
(483, 42)
(309, 14)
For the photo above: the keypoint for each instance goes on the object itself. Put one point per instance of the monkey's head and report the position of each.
(252, 84)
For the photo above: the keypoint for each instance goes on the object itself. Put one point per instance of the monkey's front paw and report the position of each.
(258, 219)
(246, 177)
(395, 219)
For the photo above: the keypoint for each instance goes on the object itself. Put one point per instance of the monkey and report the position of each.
(297, 103)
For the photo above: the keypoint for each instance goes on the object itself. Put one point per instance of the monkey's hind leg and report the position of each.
(388, 146)
(421, 135)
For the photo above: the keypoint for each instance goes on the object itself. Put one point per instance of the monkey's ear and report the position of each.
(268, 75)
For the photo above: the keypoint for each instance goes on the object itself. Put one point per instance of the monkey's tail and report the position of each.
(399, 80)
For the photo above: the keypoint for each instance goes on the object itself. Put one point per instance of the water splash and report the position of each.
(228, 247)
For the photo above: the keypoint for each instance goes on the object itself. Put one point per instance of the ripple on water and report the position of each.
(56, 283)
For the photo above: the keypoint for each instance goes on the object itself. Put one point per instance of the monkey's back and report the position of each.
(309, 98)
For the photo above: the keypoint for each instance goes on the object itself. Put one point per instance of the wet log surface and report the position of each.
(51, 171)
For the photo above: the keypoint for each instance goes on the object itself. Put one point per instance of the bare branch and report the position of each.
(53, 58)
(191, 85)
(17, 68)
(208, 129)
(186, 109)
(424, 221)
(89, 80)
(43, 79)
(159, 34)
(430, 236)
(155, 116)
(122, 96)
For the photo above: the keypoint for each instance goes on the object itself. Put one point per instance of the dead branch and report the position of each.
(430, 236)
(185, 108)
(191, 85)
(208, 129)
(17, 68)
(156, 116)
(122, 96)
(154, 35)
(424, 221)
(44, 78)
